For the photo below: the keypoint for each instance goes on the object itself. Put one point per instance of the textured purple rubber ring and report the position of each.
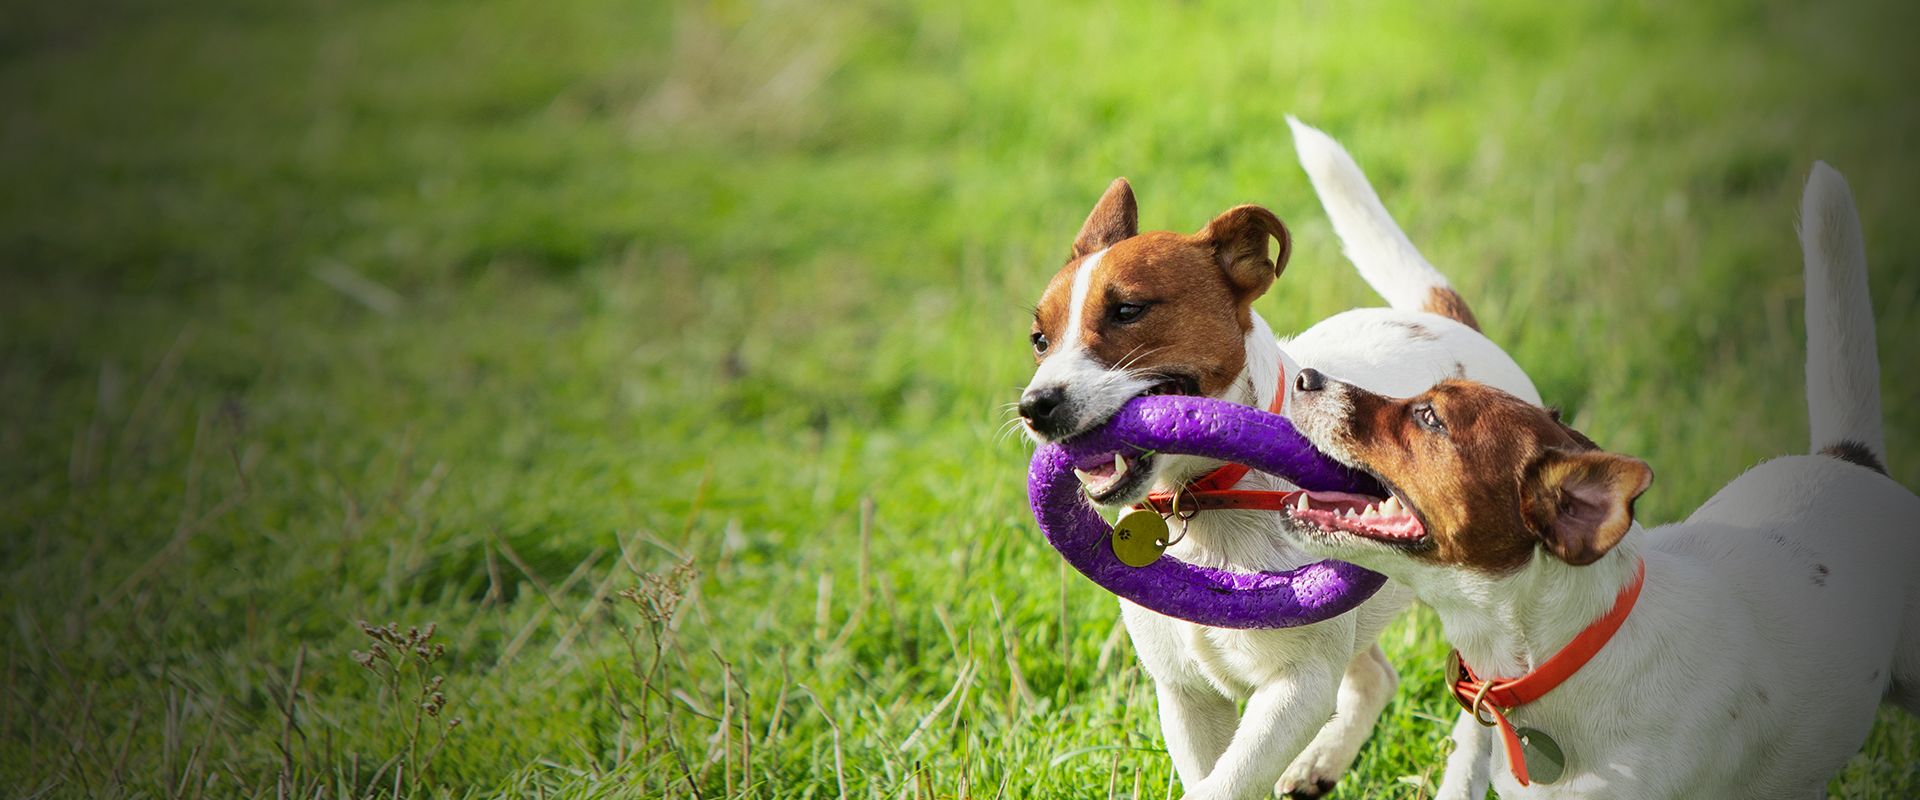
(1214, 429)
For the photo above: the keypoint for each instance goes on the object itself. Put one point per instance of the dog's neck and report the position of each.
(1505, 626)
(1239, 538)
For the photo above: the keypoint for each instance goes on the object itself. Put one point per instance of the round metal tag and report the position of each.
(1139, 537)
(1546, 762)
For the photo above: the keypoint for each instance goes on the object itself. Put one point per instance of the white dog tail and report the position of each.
(1843, 370)
(1374, 243)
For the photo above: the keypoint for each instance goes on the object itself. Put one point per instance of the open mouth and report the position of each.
(1390, 520)
(1107, 482)
(1111, 480)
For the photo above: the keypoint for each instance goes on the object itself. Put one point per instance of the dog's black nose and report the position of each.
(1310, 380)
(1037, 406)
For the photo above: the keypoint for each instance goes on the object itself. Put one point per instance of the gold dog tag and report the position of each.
(1546, 762)
(1139, 537)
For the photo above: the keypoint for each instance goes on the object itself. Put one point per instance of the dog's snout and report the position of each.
(1310, 380)
(1039, 405)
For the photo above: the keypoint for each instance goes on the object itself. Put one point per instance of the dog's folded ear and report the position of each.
(1239, 240)
(1114, 218)
(1581, 503)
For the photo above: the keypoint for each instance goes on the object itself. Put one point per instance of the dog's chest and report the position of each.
(1230, 662)
(1234, 661)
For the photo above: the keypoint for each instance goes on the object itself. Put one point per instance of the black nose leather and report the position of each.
(1310, 380)
(1038, 406)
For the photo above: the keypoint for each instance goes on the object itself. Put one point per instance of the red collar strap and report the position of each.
(1215, 489)
(1501, 696)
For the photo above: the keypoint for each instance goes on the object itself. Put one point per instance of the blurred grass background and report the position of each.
(482, 313)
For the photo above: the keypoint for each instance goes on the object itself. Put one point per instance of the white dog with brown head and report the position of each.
(1739, 653)
(1135, 313)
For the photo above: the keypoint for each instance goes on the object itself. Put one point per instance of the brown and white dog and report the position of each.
(1770, 625)
(1136, 313)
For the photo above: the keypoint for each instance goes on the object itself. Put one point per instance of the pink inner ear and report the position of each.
(1594, 510)
(1587, 506)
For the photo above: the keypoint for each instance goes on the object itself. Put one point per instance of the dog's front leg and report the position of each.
(1281, 716)
(1469, 766)
(1197, 723)
(1364, 691)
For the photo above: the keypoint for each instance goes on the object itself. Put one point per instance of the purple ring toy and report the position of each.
(1213, 429)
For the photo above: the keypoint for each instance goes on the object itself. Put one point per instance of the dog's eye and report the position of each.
(1427, 418)
(1128, 312)
(1039, 342)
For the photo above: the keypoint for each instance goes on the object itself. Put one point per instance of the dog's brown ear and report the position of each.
(1581, 503)
(1114, 218)
(1239, 240)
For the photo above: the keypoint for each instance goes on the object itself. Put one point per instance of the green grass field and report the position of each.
(489, 314)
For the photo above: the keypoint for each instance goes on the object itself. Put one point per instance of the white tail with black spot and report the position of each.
(1843, 368)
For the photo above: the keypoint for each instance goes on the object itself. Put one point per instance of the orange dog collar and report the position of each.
(1501, 696)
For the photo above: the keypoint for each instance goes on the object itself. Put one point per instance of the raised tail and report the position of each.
(1373, 242)
(1843, 370)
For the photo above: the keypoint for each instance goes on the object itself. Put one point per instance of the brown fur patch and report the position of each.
(1856, 453)
(1446, 302)
(1239, 239)
(1115, 217)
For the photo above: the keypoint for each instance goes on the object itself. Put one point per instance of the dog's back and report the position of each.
(1814, 555)
(1804, 565)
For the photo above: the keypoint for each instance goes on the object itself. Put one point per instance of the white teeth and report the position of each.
(1093, 481)
(1392, 506)
(1302, 504)
(1370, 512)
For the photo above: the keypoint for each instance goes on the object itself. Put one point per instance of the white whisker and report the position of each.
(1131, 357)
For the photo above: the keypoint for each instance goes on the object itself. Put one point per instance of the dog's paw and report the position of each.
(1314, 787)
(1320, 788)
(1309, 776)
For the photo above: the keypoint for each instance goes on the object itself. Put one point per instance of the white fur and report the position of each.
(1843, 374)
(1773, 621)
(1077, 298)
(1311, 694)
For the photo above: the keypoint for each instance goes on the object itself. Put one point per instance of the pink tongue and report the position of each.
(1102, 470)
